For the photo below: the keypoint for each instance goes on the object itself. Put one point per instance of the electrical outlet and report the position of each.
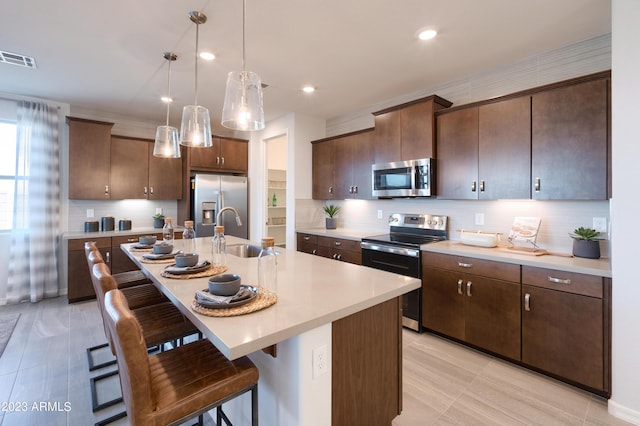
(90, 213)
(479, 218)
(158, 210)
(379, 214)
(600, 224)
(319, 361)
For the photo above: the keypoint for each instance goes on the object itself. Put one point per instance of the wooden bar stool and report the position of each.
(138, 291)
(123, 279)
(161, 323)
(170, 387)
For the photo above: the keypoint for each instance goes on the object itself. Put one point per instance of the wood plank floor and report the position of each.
(44, 373)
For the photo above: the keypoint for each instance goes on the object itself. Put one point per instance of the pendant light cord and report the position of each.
(244, 24)
(197, 38)
(169, 91)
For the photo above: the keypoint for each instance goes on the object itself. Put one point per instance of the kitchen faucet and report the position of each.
(224, 209)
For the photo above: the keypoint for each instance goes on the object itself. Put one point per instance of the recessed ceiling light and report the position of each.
(308, 89)
(207, 56)
(166, 99)
(427, 34)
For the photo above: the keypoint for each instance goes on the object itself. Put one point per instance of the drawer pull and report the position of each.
(460, 287)
(132, 240)
(465, 265)
(527, 302)
(307, 238)
(315, 251)
(335, 256)
(338, 243)
(469, 288)
(559, 280)
(339, 257)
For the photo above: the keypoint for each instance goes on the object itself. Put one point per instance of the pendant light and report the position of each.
(243, 98)
(195, 130)
(167, 143)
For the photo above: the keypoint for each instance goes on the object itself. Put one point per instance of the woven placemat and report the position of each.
(263, 299)
(141, 249)
(213, 270)
(170, 260)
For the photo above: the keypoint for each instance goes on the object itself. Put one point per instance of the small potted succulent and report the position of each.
(158, 220)
(586, 243)
(331, 211)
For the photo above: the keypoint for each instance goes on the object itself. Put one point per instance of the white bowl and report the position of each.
(480, 239)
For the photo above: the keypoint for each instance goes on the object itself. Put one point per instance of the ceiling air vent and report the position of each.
(17, 59)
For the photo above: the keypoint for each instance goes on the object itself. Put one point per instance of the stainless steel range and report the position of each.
(399, 252)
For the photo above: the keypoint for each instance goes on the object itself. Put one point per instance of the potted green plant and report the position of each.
(331, 211)
(158, 220)
(586, 243)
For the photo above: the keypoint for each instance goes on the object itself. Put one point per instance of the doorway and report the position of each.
(276, 189)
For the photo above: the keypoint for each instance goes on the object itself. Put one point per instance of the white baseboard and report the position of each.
(624, 413)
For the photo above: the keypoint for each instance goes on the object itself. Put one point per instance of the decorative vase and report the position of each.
(158, 223)
(586, 249)
(330, 222)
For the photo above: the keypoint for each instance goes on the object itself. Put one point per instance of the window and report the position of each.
(8, 174)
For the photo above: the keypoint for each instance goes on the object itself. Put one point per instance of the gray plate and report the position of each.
(210, 305)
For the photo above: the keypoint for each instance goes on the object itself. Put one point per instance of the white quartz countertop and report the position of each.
(600, 267)
(312, 291)
(348, 234)
(77, 235)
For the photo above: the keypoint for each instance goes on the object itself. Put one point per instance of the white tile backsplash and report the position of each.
(139, 211)
(559, 218)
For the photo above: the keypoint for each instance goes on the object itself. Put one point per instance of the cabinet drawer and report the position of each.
(339, 254)
(307, 239)
(78, 244)
(470, 265)
(126, 239)
(570, 282)
(339, 243)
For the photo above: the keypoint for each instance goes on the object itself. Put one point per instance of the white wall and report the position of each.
(625, 400)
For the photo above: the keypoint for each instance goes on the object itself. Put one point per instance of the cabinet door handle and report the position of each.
(106, 190)
(469, 288)
(335, 255)
(465, 265)
(331, 190)
(218, 161)
(314, 251)
(537, 185)
(460, 287)
(222, 160)
(151, 190)
(307, 238)
(527, 302)
(107, 257)
(481, 186)
(473, 186)
(145, 190)
(559, 280)
(339, 257)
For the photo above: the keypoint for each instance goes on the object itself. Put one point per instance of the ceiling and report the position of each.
(107, 56)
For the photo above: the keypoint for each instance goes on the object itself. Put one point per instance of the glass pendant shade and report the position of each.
(167, 142)
(195, 130)
(242, 108)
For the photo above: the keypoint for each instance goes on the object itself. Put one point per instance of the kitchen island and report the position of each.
(335, 327)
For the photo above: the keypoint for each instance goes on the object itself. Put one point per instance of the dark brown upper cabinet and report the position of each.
(570, 142)
(226, 155)
(89, 159)
(406, 132)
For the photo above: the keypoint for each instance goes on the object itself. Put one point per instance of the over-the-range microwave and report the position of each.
(412, 178)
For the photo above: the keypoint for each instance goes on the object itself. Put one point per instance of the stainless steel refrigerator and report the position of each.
(212, 192)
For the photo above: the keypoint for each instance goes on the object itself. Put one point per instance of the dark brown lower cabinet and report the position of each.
(342, 249)
(481, 311)
(565, 326)
(366, 372)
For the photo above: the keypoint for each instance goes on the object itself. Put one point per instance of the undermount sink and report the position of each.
(243, 250)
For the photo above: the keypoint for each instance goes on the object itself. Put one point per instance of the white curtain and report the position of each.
(33, 272)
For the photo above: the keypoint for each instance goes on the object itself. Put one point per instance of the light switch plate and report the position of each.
(600, 224)
(90, 213)
(479, 218)
(379, 214)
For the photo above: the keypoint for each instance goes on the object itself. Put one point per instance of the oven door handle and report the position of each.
(390, 249)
